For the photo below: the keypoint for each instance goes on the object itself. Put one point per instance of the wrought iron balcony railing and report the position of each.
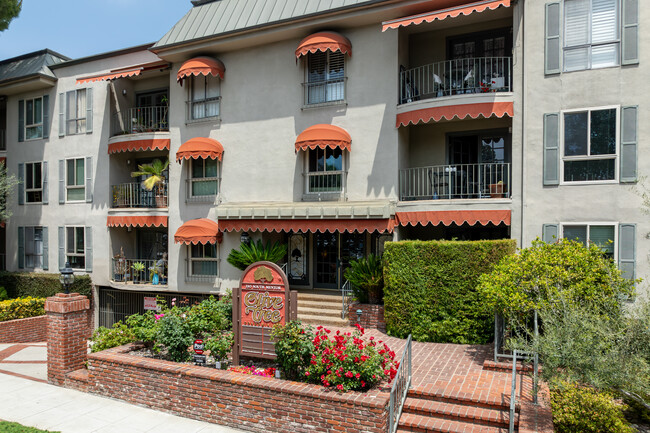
(138, 271)
(130, 195)
(141, 119)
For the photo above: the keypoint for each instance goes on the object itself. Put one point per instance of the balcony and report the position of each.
(138, 271)
(327, 92)
(140, 119)
(456, 77)
(458, 181)
(134, 195)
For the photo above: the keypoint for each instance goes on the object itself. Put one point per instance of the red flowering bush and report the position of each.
(264, 372)
(347, 362)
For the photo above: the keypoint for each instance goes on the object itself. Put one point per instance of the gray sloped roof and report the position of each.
(36, 63)
(213, 18)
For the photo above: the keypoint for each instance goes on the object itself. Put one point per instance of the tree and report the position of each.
(9, 9)
(7, 184)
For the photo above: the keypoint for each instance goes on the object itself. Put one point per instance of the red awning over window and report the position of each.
(201, 66)
(137, 221)
(200, 147)
(323, 136)
(447, 217)
(324, 41)
(131, 71)
(461, 111)
(139, 145)
(441, 14)
(198, 231)
(305, 225)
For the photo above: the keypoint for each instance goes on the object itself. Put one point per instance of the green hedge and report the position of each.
(430, 289)
(41, 285)
(21, 308)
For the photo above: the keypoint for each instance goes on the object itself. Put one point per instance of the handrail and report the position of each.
(399, 390)
(346, 294)
(513, 396)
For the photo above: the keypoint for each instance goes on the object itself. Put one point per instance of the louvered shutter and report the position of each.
(21, 247)
(61, 247)
(46, 116)
(21, 120)
(88, 242)
(630, 32)
(46, 250)
(21, 183)
(46, 193)
(552, 39)
(89, 110)
(61, 114)
(629, 123)
(627, 250)
(61, 181)
(89, 179)
(552, 149)
(550, 233)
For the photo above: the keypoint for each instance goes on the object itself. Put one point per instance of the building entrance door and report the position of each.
(326, 253)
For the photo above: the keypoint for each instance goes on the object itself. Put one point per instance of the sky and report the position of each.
(77, 28)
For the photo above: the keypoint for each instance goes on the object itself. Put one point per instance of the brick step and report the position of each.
(417, 423)
(315, 320)
(459, 412)
(506, 366)
(488, 402)
(328, 305)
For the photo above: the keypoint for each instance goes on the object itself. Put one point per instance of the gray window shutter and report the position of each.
(46, 116)
(630, 33)
(21, 120)
(46, 250)
(21, 183)
(629, 121)
(552, 149)
(61, 247)
(88, 240)
(550, 233)
(61, 181)
(89, 110)
(552, 39)
(61, 114)
(89, 179)
(627, 249)
(21, 247)
(46, 194)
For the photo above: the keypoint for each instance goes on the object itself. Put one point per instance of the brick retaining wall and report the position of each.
(372, 316)
(30, 330)
(254, 403)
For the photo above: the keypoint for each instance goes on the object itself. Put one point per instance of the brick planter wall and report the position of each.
(250, 402)
(372, 316)
(30, 330)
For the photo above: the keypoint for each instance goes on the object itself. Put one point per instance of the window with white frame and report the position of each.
(34, 247)
(204, 97)
(203, 260)
(204, 177)
(75, 247)
(591, 34)
(33, 182)
(75, 178)
(325, 77)
(75, 116)
(325, 170)
(602, 235)
(33, 118)
(590, 145)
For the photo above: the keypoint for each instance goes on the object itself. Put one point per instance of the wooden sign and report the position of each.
(262, 301)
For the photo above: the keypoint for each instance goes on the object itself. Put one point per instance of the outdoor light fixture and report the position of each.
(67, 277)
(359, 316)
(245, 238)
(123, 92)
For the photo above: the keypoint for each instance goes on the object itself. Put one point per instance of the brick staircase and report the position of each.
(320, 307)
(433, 411)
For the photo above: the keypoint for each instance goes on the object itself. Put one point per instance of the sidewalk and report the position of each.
(36, 404)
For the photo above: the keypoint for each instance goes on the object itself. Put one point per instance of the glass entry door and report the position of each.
(326, 253)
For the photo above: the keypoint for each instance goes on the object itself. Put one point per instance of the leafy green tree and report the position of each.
(7, 185)
(9, 9)
(155, 172)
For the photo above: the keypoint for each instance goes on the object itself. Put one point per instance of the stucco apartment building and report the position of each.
(332, 126)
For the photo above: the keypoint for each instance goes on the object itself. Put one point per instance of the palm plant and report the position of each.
(155, 172)
(256, 252)
(366, 276)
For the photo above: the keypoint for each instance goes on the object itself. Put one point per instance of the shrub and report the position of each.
(220, 345)
(347, 362)
(21, 308)
(366, 276)
(256, 252)
(3, 294)
(585, 410)
(430, 289)
(105, 338)
(293, 348)
(207, 317)
(41, 285)
(176, 335)
(144, 327)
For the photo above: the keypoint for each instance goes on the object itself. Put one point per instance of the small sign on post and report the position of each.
(199, 357)
(150, 303)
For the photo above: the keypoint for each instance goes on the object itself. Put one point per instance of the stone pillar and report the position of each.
(67, 334)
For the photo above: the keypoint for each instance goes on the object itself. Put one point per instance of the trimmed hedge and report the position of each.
(430, 289)
(21, 308)
(41, 285)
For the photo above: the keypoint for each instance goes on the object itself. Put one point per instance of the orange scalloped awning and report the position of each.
(324, 41)
(308, 225)
(461, 111)
(131, 71)
(441, 14)
(323, 136)
(198, 231)
(201, 66)
(200, 147)
(136, 221)
(448, 217)
(139, 145)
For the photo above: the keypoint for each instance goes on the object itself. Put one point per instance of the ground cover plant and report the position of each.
(21, 308)
(14, 427)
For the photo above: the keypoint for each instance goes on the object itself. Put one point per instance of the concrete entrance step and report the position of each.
(315, 320)
(320, 295)
(320, 311)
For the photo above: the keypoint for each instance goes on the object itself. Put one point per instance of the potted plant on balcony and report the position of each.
(119, 266)
(138, 268)
(496, 189)
(155, 180)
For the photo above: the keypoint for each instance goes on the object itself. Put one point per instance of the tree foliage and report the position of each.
(256, 252)
(9, 9)
(366, 276)
(7, 186)
(155, 173)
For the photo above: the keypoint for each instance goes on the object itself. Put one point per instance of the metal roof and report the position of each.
(36, 63)
(213, 18)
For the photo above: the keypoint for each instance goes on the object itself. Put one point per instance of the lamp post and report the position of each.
(67, 277)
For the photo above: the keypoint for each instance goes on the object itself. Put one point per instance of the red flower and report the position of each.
(306, 373)
(358, 375)
(339, 387)
(349, 374)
